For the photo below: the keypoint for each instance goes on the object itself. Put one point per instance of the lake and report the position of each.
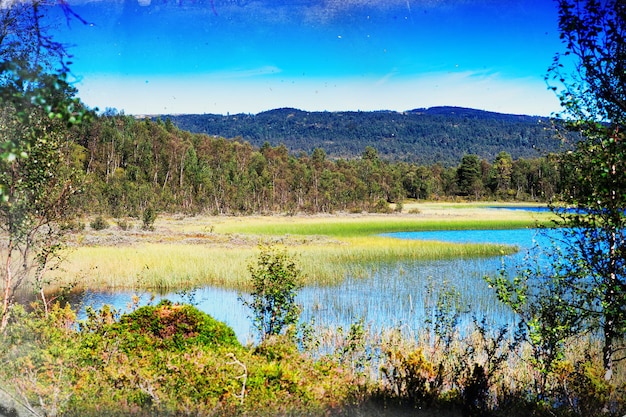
(391, 295)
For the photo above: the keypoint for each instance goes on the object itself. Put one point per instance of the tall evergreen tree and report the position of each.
(469, 177)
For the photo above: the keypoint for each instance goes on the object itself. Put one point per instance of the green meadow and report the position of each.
(187, 252)
(346, 226)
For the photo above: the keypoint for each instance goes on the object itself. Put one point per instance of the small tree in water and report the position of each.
(276, 280)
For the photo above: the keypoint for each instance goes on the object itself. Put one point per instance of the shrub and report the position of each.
(410, 376)
(38, 355)
(163, 360)
(99, 223)
(149, 217)
(124, 224)
(72, 226)
(381, 206)
(172, 327)
(588, 391)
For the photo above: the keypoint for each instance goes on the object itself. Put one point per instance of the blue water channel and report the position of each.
(390, 295)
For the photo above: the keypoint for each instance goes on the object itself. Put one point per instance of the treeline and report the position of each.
(425, 136)
(129, 165)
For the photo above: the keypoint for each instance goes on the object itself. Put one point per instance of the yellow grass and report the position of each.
(431, 216)
(171, 266)
(187, 252)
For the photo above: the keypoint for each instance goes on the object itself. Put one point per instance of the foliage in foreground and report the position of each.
(165, 359)
(172, 359)
(593, 99)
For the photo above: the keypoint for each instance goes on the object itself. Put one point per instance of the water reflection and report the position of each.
(392, 295)
(399, 295)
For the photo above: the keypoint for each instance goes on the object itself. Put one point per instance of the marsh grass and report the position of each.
(353, 226)
(156, 266)
(188, 252)
(417, 368)
(428, 216)
(167, 266)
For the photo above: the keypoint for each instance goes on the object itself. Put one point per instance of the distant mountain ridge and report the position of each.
(474, 113)
(437, 134)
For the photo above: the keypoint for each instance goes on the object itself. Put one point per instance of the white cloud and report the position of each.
(385, 78)
(247, 73)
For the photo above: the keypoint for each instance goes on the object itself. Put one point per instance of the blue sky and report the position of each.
(248, 56)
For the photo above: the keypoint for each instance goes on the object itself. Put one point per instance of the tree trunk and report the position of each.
(8, 278)
(611, 317)
(607, 349)
(612, 300)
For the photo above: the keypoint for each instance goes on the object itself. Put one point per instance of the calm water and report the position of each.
(392, 295)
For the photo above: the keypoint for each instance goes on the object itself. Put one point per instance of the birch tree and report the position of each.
(590, 78)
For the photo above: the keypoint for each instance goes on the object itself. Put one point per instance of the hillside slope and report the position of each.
(438, 134)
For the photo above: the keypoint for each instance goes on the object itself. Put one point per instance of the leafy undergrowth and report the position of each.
(161, 360)
(173, 360)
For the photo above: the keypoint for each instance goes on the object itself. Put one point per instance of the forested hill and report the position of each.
(425, 136)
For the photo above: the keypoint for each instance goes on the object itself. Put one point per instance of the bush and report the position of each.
(124, 224)
(381, 206)
(163, 360)
(589, 393)
(172, 327)
(149, 217)
(72, 226)
(99, 223)
(409, 376)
